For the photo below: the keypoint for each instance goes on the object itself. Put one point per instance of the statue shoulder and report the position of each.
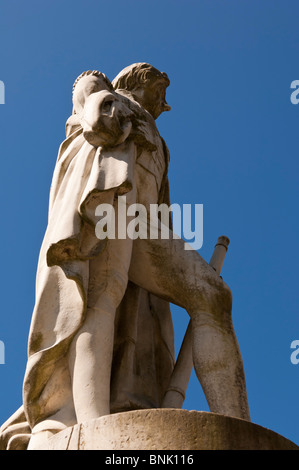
(145, 131)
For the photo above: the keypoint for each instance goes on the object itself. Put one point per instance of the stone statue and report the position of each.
(101, 337)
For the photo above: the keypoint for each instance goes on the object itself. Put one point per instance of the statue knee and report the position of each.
(212, 303)
(116, 287)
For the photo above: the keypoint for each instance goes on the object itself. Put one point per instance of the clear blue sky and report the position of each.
(233, 138)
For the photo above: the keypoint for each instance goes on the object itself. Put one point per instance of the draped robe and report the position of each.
(143, 356)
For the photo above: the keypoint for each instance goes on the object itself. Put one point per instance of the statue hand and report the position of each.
(106, 120)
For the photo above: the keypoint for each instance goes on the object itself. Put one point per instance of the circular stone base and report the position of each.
(165, 429)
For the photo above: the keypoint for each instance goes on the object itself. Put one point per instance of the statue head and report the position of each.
(147, 86)
(87, 83)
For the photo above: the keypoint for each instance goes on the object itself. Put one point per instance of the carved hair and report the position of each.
(135, 75)
(96, 73)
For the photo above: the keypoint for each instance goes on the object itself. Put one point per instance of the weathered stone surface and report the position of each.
(101, 338)
(167, 429)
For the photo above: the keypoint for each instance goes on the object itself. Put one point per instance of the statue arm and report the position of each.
(106, 120)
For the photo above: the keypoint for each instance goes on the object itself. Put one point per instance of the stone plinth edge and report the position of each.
(167, 429)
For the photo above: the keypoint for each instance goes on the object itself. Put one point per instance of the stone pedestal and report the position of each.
(166, 429)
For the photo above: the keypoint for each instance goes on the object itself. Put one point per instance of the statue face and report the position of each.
(152, 96)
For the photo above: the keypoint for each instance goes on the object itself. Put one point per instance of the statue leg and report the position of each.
(182, 277)
(91, 351)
